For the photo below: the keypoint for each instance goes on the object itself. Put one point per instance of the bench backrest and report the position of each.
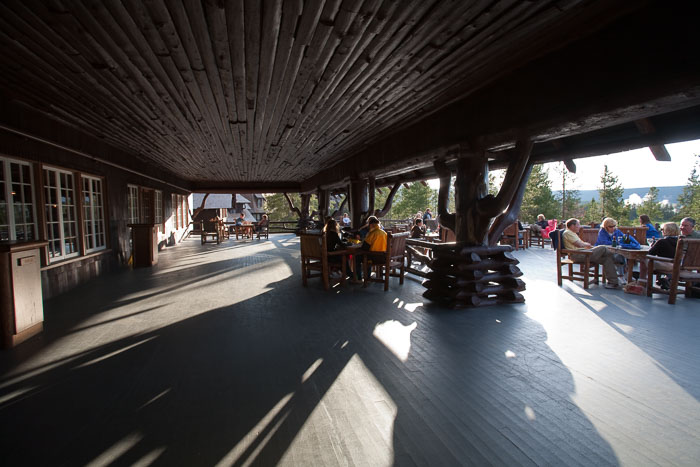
(312, 245)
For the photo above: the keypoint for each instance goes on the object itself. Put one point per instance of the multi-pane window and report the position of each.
(17, 220)
(93, 214)
(180, 216)
(158, 209)
(61, 223)
(173, 200)
(133, 201)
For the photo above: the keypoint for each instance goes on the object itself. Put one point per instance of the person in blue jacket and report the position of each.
(652, 232)
(609, 231)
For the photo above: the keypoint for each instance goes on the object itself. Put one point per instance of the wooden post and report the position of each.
(473, 271)
(358, 202)
(323, 204)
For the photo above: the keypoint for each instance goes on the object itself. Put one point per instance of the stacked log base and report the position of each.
(471, 276)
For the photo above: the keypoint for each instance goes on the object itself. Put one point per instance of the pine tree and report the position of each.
(569, 199)
(611, 201)
(538, 197)
(592, 212)
(689, 200)
(650, 205)
(415, 198)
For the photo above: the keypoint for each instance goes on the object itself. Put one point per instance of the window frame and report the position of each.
(132, 204)
(94, 221)
(7, 183)
(56, 173)
(158, 210)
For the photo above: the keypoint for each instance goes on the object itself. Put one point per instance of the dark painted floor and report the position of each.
(218, 355)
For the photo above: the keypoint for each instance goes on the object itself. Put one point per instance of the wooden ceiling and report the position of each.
(283, 94)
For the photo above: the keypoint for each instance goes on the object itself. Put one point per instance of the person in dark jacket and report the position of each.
(418, 229)
(665, 247)
(333, 241)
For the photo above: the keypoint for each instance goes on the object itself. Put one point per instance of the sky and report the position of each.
(634, 169)
(637, 168)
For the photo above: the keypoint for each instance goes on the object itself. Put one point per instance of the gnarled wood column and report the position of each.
(474, 271)
(358, 195)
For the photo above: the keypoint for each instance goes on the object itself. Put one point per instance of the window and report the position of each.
(93, 214)
(61, 224)
(173, 200)
(17, 219)
(133, 202)
(180, 216)
(158, 210)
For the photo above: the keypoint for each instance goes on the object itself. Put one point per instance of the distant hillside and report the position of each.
(669, 193)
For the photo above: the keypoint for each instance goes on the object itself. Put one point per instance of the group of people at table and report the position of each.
(369, 241)
(609, 235)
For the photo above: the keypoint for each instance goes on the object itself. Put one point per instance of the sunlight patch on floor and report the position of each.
(604, 361)
(355, 386)
(117, 450)
(396, 337)
(255, 441)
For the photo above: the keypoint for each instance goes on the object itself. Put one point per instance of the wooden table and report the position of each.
(632, 257)
(245, 230)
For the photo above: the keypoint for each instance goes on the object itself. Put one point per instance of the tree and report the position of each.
(611, 201)
(538, 197)
(415, 198)
(689, 200)
(277, 207)
(592, 212)
(650, 205)
(568, 199)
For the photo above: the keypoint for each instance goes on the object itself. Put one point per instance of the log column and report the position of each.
(473, 271)
(358, 202)
(323, 205)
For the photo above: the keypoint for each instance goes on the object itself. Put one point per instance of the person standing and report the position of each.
(601, 255)
(428, 215)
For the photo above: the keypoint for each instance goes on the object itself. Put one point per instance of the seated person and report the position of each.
(240, 220)
(374, 243)
(427, 215)
(418, 229)
(688, 228)
(262, 224)
(333, 241)
(607, 232)
(346, 219)
(651, 230)
(540, 225)
(665, 247)
(601, 255)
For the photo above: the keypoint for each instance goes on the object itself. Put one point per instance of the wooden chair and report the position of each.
(394, 258)
(587, 269)
(223, 229)
(684, 269)
(314, 257)
(447, 235)
(264, 230)
(513, 235)
(210, 228)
